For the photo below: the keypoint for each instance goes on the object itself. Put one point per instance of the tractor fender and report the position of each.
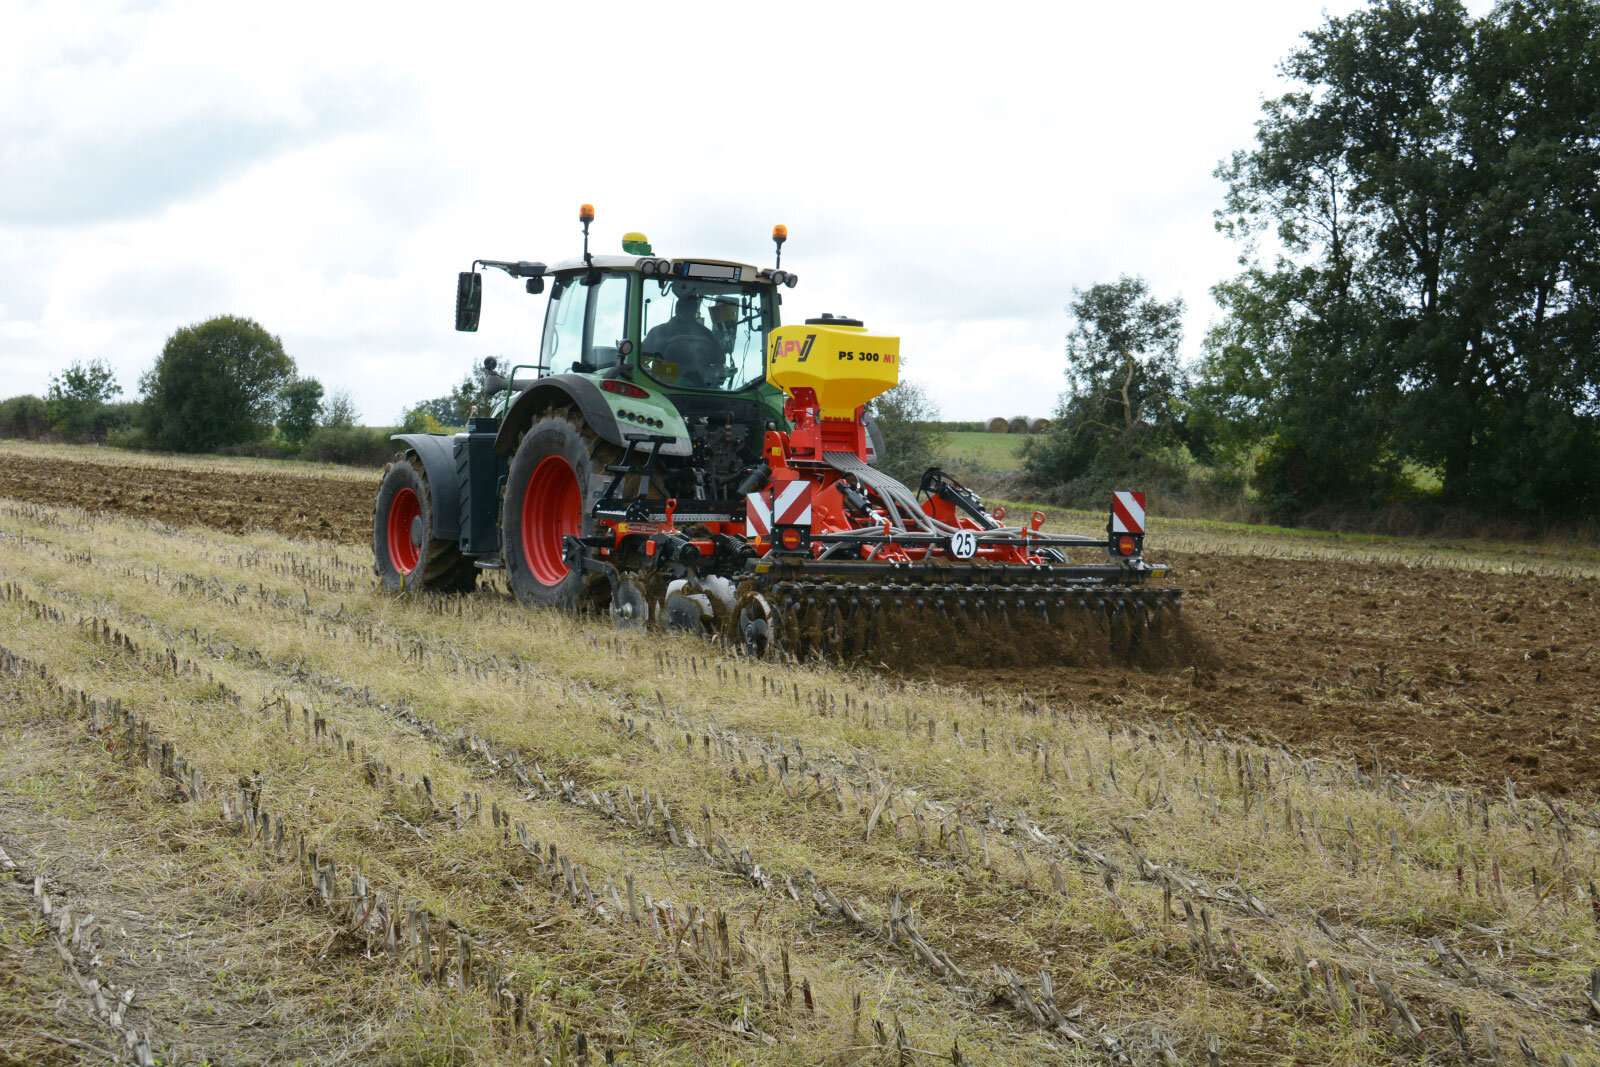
(562, 390)
(437, 452)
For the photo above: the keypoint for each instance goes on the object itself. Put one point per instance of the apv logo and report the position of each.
(789, 348)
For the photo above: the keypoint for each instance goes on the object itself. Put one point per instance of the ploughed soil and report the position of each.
(1461, 675)
(334, 509)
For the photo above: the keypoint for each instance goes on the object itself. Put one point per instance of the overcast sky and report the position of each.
(947, 174)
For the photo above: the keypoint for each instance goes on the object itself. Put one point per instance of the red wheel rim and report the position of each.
(551, 509)
(404, 510)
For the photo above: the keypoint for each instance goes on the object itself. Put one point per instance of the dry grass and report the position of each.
(1177, 889)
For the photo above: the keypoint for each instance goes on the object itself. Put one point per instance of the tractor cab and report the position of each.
(659, 356)
(620, 318)
(655, 348)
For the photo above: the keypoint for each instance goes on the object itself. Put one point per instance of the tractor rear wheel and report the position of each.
(551, 488)
(406, 555)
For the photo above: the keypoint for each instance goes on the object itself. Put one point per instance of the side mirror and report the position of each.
(469, 300)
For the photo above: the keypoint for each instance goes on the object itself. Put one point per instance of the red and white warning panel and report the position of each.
(758, 514)
(784, 504)
(1127, 512)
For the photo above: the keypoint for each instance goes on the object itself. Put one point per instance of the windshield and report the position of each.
(704, 335)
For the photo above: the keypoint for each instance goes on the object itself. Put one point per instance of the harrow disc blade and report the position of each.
(629, 608)
(683, 612)
(753, 625)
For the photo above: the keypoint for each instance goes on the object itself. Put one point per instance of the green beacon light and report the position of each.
(636, 244)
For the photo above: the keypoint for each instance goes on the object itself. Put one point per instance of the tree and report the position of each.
(1294, 379)
(911, 441)
(1122, 411)
(339, 411)
(300, 405)
(216, 383)
(77, 397)
(1434, 188)
(24, 416)
(420, 420)
(339, 440)
(455, 407)
(1508, 397)
(93, 382)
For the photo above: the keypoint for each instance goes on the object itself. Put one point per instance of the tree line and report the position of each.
(223, 385)
(1416, 314)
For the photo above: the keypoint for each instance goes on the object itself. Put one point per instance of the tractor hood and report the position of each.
(615, 416)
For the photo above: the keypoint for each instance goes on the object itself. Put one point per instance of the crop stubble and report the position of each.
(1134, 972)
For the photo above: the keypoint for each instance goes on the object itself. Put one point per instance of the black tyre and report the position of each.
(406, 555)
(555, 478)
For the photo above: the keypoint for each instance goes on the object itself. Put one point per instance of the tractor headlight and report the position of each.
(647, 266)
(790, 280)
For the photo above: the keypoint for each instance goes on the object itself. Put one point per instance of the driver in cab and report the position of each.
(687, 342)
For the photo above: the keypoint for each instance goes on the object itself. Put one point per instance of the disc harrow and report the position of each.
(837, 618)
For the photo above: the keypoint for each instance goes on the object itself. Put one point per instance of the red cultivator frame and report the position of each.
(824, 549)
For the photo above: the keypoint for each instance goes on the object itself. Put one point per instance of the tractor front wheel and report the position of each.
(548, 497)
(406, 555)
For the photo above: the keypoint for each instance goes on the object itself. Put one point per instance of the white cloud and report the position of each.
(947, 173)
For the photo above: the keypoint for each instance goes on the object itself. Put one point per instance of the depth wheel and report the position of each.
(406, 556)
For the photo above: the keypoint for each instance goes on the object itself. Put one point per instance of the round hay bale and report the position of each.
(1038, 425)
(1019, 425)
(999, 425)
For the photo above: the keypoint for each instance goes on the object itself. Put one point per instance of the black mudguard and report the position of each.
(437, 452)
(558, 390)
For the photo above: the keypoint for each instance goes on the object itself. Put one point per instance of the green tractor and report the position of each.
(649, 391)
(678, 456)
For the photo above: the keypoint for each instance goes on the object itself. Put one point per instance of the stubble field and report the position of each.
(303, 822)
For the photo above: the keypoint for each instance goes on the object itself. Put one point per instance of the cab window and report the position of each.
(609, 321)
(703, 334)
(563, 325)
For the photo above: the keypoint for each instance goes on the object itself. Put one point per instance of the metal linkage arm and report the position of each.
(519, 269)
